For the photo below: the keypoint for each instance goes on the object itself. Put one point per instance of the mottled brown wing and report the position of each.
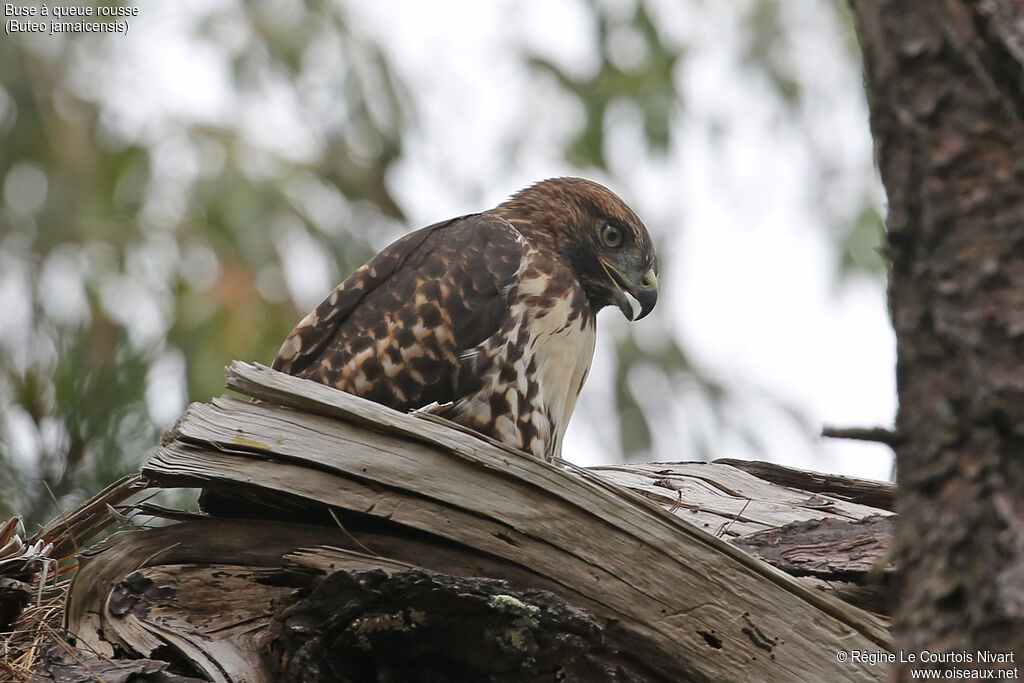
(394, 330)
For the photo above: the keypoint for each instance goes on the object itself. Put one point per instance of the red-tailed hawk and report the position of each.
(489, 318)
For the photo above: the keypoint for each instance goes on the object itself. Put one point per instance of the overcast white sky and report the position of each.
(750, 285)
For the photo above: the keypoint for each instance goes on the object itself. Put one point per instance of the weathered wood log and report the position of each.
(879, 494)
(768, 519)
(61, 663)
(727, 501)
(89, 518)
(826, 548)
(354, 625)
(342, 484)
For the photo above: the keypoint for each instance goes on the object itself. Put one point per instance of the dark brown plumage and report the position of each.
(487, 319)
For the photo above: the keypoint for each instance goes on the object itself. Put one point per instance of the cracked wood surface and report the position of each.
(642, 548)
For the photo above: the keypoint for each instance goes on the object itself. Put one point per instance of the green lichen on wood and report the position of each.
(527, 619)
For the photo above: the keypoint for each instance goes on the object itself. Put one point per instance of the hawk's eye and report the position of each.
(611, 236)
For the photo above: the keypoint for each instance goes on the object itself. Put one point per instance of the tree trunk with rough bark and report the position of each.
(946, 87)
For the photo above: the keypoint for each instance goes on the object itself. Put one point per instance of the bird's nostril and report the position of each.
(650, 280)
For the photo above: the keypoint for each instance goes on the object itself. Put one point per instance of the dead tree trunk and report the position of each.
(342, 540)
(946, 86)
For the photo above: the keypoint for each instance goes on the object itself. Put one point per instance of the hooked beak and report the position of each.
(634, 300)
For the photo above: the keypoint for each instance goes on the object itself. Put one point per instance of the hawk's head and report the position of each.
(601, 239)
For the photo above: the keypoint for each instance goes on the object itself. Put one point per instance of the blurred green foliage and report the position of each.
(128, 259)
(113, 281)
(646, 78)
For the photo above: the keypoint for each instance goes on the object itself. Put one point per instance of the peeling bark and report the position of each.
(826, 548)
